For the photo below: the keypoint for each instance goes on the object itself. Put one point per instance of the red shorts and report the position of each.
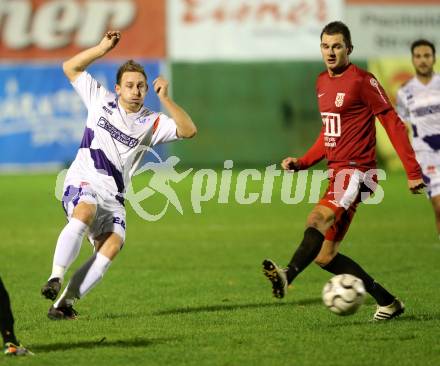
(346, 189)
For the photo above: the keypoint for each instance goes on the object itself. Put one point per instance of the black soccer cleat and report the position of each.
(51, 289)
(62, 313)
(277, 276)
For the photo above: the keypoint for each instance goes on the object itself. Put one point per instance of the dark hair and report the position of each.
(422, 42)
(338, 28)
(129, 66)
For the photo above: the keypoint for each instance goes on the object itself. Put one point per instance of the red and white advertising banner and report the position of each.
(200, 30)
(54, 29)
(388, 28)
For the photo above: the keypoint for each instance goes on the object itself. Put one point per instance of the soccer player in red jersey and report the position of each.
(349, 100)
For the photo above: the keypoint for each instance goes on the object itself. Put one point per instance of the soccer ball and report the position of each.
(344, 294)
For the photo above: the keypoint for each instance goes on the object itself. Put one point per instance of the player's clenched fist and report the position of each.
(110, 40)
(290, 164)
(160, 86)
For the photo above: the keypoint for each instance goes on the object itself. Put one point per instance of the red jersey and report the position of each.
(348, 105)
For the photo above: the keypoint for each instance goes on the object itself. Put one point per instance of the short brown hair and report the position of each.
(338, 27)
(422, 42)
(129, 66)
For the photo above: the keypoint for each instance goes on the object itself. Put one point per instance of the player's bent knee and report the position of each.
(112, 246)
(328, 251)
(316, 220)
(319, 221)
(85, 212)
(323, 260)
(114, 249)
(110, 250)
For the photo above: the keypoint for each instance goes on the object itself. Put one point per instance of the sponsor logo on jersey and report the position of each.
(112, 104)
(107, 110)
(116, 134)
(332, 123)
(430, 109)
(339, 101)
(329, 141)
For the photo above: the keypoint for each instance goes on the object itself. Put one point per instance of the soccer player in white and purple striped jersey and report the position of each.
(418, 103)
(119, 128)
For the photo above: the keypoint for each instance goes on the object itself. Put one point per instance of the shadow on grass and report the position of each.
(126, 343)
(401, 319)
(112, 316)
(418, 317)
(232, 307)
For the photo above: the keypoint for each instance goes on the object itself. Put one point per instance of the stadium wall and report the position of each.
(252, 113)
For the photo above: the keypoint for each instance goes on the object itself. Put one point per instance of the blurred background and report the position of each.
(244, 69)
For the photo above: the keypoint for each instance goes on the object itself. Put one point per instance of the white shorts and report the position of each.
(430, 164)
(109, 218)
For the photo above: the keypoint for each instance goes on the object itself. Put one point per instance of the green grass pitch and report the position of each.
(188, 289)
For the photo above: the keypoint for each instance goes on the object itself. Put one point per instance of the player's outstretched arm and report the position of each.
(290, 163)
(77, 64)
(313, 156)
(185, 126)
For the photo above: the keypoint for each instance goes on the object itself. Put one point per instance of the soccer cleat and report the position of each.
(62, 313)
(391, 311)
(51, 289)
(277, 276)
(11, 349)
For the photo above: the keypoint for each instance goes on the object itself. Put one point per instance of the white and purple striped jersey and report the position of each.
(114, 141)
(419, 104)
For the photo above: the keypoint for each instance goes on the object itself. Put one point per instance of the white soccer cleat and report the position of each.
(391, 311)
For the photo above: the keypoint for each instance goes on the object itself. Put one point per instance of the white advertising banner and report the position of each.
(389, 30)
(201, 30)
